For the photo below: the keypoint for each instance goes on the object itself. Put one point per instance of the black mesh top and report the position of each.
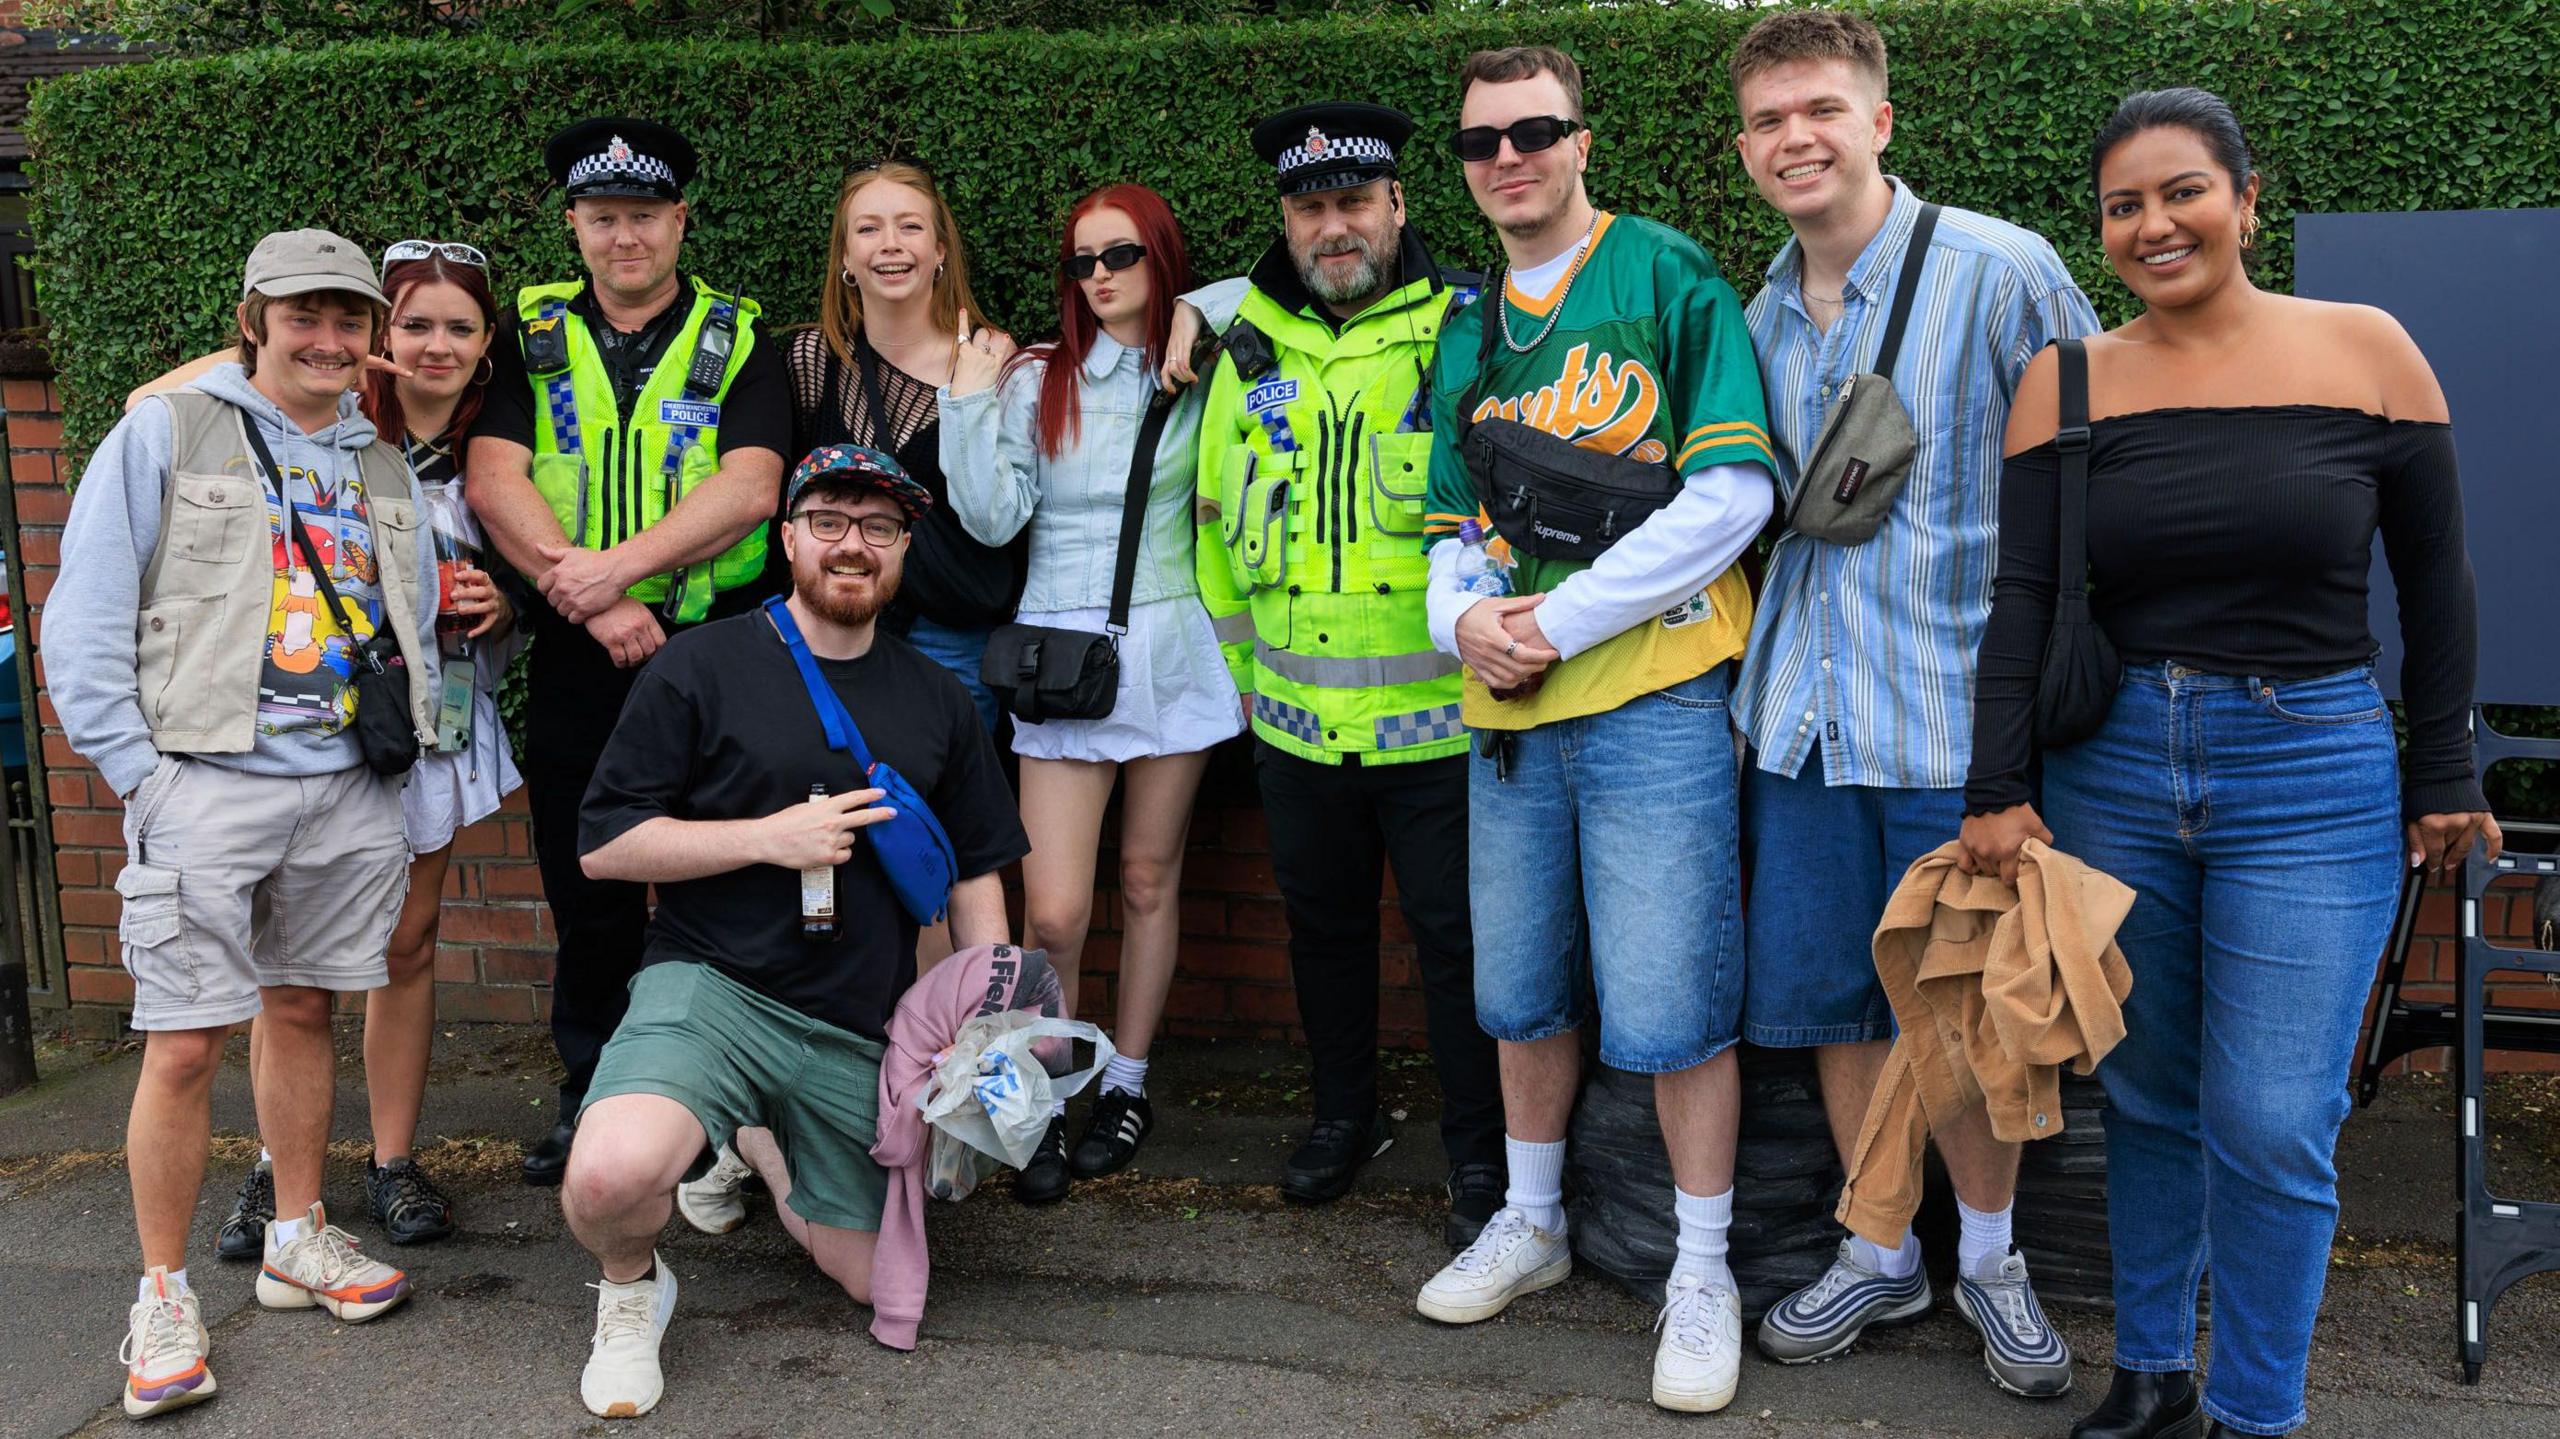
(2237, 541)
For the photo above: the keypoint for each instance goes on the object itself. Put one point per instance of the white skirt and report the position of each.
(1175, 693)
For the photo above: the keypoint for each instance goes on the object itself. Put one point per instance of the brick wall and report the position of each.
(495, 943)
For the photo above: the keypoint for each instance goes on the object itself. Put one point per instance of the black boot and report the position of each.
(1475, 1192)
(2144, 1405)
(548, 1159)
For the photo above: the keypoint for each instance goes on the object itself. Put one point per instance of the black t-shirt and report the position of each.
(756, 415)
(719, 727)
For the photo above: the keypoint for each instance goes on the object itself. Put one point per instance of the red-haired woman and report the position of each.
(1045, 441)
(442, 317)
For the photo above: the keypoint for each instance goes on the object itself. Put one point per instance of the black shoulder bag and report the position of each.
(2081, 670)
(386, 734)
(1547, 495)
(1044, 673)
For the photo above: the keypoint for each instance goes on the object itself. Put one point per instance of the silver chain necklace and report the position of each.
(1555, 312)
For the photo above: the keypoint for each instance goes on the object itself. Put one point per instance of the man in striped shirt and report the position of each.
(1856, 691)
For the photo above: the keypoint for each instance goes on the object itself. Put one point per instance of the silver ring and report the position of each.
(1511, 649)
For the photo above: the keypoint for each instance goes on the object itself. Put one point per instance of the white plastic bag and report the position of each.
(991, 1092)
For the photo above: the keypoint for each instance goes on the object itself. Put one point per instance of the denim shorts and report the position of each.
(1612, 837)
(1824, 858)
(961, 652)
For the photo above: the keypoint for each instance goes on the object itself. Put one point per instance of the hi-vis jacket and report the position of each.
(1315, 449)
(608, 476)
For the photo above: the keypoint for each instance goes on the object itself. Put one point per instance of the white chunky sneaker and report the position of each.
(714, 1203)
(1510, 1258)
(623, 1380)
(164, 1352)
(325, 1268)
(1698, 1364)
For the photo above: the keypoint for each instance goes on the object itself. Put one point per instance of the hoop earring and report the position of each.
(848, 278)
(937, 274)
(488, 371)
(2249, 231)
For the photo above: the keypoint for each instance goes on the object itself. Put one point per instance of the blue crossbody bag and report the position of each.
(914, 850)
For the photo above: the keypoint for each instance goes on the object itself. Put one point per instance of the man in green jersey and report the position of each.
(1602, 793)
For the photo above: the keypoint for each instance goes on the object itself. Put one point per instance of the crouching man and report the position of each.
(748, 1024)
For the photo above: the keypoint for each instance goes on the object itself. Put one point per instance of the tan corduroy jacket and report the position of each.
(1993, 989)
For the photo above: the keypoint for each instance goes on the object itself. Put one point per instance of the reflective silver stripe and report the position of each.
(1330, 672)
(1232, 629)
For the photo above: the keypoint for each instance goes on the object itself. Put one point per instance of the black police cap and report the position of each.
(1331, 146)
(613, 155)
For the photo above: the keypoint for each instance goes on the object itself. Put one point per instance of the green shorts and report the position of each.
(739, 1060)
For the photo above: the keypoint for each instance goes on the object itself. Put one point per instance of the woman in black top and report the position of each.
(2245, 449)
(896, 312)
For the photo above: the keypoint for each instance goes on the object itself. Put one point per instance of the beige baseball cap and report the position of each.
(297, 262)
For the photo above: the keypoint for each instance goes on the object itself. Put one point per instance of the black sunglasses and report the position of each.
(1115, 258)
(1528, 135)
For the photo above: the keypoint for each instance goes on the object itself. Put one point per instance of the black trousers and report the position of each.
(573, 695)
(1333, 828)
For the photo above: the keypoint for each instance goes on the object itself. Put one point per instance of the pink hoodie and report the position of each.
(986, 980)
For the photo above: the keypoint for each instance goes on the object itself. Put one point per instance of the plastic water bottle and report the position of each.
(1479, 573)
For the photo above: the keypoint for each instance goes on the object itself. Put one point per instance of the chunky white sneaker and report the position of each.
(324, 1268)
(714, 1203)
(164, 1352)
(1698, 1364)
(623, 1380)
(1510, 1258)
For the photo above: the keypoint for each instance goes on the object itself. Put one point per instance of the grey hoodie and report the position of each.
(89, 639)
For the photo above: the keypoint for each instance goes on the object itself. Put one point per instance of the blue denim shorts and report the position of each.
(1824, 858)
(1612, 837)
(961, 652)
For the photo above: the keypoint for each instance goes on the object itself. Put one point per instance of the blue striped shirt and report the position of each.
(1870, 650)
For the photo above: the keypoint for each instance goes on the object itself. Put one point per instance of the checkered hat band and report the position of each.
(644, 167)
(1338, 148)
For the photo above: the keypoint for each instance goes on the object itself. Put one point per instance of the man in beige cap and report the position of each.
(236, 550)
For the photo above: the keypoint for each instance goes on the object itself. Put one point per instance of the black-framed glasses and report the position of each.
(1114, 258)
(454, 250)
(1528, 135)
(878, 531)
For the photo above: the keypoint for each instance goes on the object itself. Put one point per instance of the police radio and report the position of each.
(711, 353)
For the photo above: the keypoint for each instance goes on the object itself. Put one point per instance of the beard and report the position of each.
(1366, 280)
(853, 611)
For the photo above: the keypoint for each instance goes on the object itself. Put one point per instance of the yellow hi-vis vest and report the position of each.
(606, 476)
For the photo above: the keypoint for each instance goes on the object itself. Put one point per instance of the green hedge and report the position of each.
(154, 179)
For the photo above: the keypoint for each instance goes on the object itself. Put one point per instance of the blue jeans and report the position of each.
(2258, 823)
(1620, 827)
(1824, 858)
(959, 651)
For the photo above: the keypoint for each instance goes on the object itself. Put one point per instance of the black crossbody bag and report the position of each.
(1547, 495)
(385, 733)
(1041, 672)
(2078, 685)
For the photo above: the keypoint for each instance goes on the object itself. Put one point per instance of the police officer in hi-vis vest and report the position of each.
(628, 455)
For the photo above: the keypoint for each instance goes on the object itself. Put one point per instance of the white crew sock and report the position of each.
(1899, 1263)
(282, 1231)
(265, 1158)
(1057, 1109)
(1128, 1076)
(1704, 1220)
(1985, 1241)
(1537, 1182)
(177, 1286)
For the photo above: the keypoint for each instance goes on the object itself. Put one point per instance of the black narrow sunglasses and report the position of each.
(1115, 258)
(1528, 135)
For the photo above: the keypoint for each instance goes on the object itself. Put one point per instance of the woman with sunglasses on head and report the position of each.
(1046, 443)
(422, 392)
(896, 317)
(2242, 449)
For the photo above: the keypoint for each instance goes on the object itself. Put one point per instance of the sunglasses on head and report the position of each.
(1528, 136)
(1114, 258)
(454, 250)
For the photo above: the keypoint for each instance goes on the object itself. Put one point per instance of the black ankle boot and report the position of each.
(2144, 1405)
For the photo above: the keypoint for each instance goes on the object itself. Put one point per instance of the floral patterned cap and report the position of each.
(864, 467)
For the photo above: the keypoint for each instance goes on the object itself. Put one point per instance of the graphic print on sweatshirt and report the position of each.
(305, 683)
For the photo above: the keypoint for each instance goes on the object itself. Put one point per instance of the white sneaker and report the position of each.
(1698, 1365)
(164, 1353)
(325, 1268)
(714, 1203)
(623, 1380)
(1510, 1258)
